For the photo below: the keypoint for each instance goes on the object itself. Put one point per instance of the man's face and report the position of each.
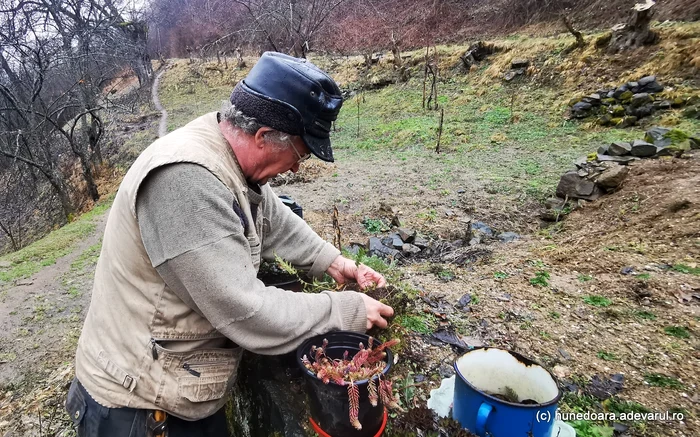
(278, 161)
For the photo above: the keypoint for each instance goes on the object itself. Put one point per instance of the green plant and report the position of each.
(618, 406)
(598, 301)
(445, 275)
(584, 278)
(645, 315)
(607, 356)
(554, 314)
(682, 268)
(540, 279)
(586, 428)
(374, 226)
(414, 323)
(368, 363)
(500, 275)
(428, 216)
(677, 331)
(644, 276)
(659, 380)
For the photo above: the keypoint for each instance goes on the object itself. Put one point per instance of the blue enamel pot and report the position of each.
(486, 384)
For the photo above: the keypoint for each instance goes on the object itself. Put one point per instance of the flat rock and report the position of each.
(603, 150)
(519, 63)
(5, 264)
(582, 106)
(407, 235)
(613, 176)
(618, 159)
(507, 237)
(646, 80)
(481, 228)
(410, 248)
(640, 99)
(420, 242)
(657, 136)
(377, 248)
(619, 148)
(573, 186)
(642, 149)
(666, 151)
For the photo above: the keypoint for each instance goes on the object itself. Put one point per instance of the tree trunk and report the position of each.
(636, 32)
(59, 185)
(89, 178)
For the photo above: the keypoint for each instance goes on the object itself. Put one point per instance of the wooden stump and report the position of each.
(636, 32)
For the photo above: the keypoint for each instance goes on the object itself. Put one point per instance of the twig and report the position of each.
(358, 116)
(336, 228)
(425, 73)
(442, 115)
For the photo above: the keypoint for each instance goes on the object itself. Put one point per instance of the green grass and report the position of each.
(89, 256)
(597, 301)
(677, 331)
(45, 252)
(682, 268)
(659, 380)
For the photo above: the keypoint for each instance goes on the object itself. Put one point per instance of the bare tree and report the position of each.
(288, 25)
(56, 58)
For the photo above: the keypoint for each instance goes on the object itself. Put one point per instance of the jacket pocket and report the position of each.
(204, 388)
(193, 384)
(76, 406)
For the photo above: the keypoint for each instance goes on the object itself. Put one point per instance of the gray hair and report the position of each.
(251, 125)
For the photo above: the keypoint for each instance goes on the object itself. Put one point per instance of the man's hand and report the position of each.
(343, 269)
(376, 311)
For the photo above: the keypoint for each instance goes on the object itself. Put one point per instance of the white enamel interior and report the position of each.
(493, 370)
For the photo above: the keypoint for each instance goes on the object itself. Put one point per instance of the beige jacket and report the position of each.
(120, 358)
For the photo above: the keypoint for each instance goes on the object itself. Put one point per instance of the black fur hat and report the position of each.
(293, 96)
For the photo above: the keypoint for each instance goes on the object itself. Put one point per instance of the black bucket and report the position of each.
(329, 402)
(295, 207)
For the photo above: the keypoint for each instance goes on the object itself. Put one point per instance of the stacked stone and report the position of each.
(606, 169)
(625, 105)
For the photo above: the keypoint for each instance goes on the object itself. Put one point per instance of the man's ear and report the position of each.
(260, 136)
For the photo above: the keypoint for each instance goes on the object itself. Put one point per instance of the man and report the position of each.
(176, 298)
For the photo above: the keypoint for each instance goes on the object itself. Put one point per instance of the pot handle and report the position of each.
(481, 417)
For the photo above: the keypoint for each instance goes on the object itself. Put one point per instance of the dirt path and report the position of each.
(40, 322)
(163, 125)
(39, 314)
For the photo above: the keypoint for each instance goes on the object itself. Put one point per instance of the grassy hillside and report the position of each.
(513, 136)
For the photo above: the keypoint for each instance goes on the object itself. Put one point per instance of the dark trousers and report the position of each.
(93, 420)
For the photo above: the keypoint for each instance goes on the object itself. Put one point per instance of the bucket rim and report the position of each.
(523, 359)
(307, 343)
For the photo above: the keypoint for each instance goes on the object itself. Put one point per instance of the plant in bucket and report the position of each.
(499, 393)
(346, 374)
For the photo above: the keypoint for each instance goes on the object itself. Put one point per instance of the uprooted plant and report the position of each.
(367, 364)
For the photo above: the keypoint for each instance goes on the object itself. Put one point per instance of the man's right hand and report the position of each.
(376, 311)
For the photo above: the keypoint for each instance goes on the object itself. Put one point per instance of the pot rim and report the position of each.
(523, 359)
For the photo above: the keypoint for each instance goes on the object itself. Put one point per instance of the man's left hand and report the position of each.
(344, 269)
